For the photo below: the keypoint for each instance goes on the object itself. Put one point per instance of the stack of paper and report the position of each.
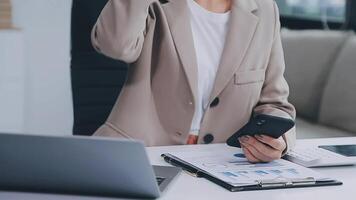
(5, 14)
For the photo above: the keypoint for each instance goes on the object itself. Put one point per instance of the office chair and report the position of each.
(96, 79)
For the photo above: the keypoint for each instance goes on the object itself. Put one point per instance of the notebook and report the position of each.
(229, 168)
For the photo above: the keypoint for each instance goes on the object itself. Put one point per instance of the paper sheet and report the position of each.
(231, 166)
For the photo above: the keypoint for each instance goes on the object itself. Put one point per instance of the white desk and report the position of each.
(188, 187)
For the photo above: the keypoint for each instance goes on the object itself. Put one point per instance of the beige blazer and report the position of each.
(157, 102)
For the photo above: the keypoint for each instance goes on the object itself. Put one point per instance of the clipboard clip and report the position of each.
(287, 182)
(186, 167)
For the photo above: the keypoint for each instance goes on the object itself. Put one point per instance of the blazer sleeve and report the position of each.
(275, 91)
(120, 29)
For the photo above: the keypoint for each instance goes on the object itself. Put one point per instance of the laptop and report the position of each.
(80, 165)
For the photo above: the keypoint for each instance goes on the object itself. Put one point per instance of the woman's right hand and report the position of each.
(262, 148)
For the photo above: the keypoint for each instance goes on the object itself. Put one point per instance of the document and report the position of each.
(231, 166)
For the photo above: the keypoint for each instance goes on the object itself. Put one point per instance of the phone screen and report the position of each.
(345, 150)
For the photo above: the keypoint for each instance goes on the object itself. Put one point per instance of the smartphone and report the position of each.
(269, 125)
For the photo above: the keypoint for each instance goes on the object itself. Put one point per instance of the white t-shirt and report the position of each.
(209, 34)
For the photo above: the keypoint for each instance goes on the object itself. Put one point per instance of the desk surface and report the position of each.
(188, 187)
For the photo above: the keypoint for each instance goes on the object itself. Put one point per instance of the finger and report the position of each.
(251, 158)
(259, 146)
(261, 150)
(278, 144)
(260, 156)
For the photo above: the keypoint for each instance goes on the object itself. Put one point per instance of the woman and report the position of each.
(198, 70)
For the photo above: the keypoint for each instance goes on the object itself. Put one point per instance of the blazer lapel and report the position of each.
(178, 16)
(243, 24)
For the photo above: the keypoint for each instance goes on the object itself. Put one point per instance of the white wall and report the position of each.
(12, 81)
(46, 28)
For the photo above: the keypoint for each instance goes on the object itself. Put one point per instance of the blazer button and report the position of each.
(208, 138)
(215, 102)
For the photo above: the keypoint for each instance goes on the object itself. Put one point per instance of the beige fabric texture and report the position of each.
(310, 56)
(338, 103)
(157, 102)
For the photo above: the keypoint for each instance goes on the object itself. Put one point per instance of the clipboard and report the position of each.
(258, 185)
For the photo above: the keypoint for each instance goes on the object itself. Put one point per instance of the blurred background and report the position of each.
(331, 10)
(52, 81)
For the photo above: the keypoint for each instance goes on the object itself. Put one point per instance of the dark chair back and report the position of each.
(96, 79)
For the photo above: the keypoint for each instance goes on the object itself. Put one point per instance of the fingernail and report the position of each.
(244, 138)
(259, 136)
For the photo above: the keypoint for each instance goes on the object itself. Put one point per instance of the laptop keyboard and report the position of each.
(159, 180)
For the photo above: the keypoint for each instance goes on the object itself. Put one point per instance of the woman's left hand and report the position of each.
(262, 148)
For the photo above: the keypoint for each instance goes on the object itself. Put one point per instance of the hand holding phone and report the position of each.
(263, 124)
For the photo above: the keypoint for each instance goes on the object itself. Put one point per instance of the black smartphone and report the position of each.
(262, 124)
